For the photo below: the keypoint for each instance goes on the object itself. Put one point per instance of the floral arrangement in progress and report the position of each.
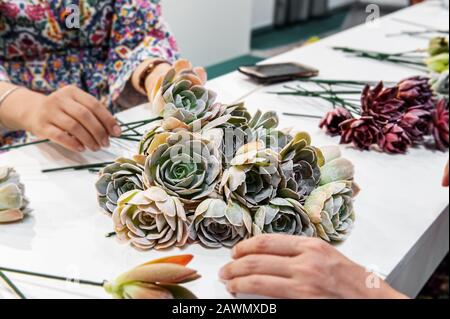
(13, 202)
(214, 174)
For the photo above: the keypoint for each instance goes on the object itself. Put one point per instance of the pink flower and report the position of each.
(35, 12)
(417, 92)
(9, 9)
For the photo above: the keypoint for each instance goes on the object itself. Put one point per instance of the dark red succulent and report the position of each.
(440, 125)
(417, 123)
(417, 92)
(395, 140)
(382, 103)
(332, 120)
(362, 133)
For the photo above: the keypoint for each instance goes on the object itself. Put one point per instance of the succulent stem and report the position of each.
(77, 167)
(60, 278)
(10, 147)
(12, 286)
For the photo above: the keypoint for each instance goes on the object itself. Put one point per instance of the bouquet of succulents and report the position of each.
(214, 174)
(12, 196)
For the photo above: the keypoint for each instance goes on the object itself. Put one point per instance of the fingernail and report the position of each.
(117, 130)
(81, 149)
(234, 252)
(96, 148)
(105, 142)
(221, 273)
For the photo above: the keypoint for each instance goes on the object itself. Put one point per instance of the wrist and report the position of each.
(148, 69)
(18, 110)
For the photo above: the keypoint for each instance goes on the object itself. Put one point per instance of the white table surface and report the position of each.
(402, 211)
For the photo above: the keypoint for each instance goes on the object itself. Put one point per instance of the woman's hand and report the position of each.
(282, 266)
(69, 117)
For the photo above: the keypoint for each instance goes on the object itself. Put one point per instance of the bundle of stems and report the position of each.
(129, 133)
(413, 58)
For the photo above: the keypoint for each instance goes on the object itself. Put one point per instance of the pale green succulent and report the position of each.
(336, 168)
(300, 167)
(330, 208)
(13, 203)
(440, 84)
(274, 139)
(185, 166)
(438, 45)
(217, 224)
(117, 179)
(151, 219)
(283, 216)
(253, 177)
(438, 63)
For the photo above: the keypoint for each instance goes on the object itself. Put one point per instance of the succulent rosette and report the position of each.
(151, 219)
(381, 103)
(336, 168)
(416, 123)
(440, 125)
(440, 84)
(330, 208)
(13, 202)
(159, 279)
(185, 166)
(417, 92)
(283, 216)
(217, 223)
(438, 63)
(394, 140)
(300, 167)
(438, 45)
(114, 180)
(253, 177)
(332, 121)
(362, 133)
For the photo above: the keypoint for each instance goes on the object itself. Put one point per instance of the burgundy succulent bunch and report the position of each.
(332, 121)
(440, 125)
(417, 92)
(393, 118)
(382, 103)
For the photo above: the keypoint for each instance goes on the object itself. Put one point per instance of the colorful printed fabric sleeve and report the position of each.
(138, 33)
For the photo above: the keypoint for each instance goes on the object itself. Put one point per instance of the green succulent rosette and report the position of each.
(438, 45)
(13, 202)
(300, 167)
(253, 177)
(219, 224)
(274, 139)
(117, 179)
(283, 216)
(330, 208)
(185, 166)
(151, 219)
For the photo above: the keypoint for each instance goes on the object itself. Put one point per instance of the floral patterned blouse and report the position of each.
(94, 44)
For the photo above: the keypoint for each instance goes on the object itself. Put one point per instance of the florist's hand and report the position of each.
(282, 266)
(445, 181)
(74, 119)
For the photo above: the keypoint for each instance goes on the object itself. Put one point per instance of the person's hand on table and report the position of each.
(293, 267)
